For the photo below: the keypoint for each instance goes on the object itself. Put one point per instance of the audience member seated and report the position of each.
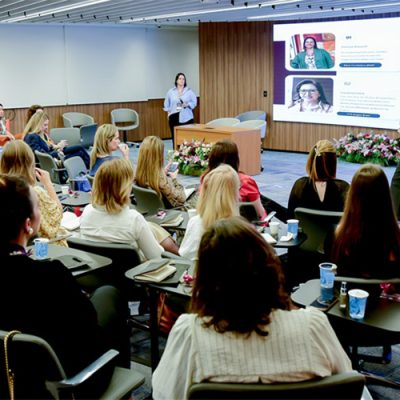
(218, 199)
(42, 297)
(150, 173)
(319, 190)
(226, 152)
(106, 141)
(5, 134)
(18, 159)
(34, 108)
(367, 239)
(109, 218)
(36, 135)
(242, 327)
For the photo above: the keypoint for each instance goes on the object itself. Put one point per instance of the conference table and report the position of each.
(77, 199)
(247, 140)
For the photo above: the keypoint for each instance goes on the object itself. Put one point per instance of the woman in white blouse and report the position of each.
(242, 327)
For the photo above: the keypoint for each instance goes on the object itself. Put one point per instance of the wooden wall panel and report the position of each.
(153, 119)
(236, 66)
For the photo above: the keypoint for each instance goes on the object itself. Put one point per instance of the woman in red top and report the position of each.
(226, 152)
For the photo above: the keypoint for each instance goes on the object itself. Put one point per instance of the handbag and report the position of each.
(9, 373)
(81, 183)
(166, 315)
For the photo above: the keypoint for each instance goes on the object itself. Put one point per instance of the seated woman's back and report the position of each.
(109, 217)
(242, 328)
(320, 190)
(367, 242)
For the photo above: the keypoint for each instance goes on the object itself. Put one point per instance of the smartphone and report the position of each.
(173, 167)
(269, 216)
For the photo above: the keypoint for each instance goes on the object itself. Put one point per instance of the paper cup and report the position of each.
(274, 228)
(64, 189)
(293, 227)
(41, 248)
(357, 303)
(327, 280)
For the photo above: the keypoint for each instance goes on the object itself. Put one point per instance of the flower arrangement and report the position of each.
(368, 148)
(192, 157)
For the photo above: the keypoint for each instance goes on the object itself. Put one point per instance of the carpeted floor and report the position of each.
(281, 169)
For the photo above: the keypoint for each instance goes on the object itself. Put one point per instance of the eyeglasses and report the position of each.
(304, 91)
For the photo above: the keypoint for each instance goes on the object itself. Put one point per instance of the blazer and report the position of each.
(37, 143)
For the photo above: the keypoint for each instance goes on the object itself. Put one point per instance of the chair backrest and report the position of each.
(72, 135)
(347, 385)
(223, 122)
(248, 210)
(124, 115)
(88, 133)
(78, 119)
(254, 124)
(250, 115)
(46, 162)
(74, 166)
(147, 200)
(316, 224)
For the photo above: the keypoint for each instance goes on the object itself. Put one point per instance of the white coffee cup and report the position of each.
(64, 189)
(274, 227)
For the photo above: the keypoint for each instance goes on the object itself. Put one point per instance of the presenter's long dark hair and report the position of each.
(367, 240)
(177, 77)
(239, 280)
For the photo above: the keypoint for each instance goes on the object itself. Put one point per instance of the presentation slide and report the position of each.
(341, 73)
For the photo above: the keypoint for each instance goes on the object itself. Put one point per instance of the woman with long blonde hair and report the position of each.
(150, 172)
(319, 190)
(106, 141)
(18, 159)
(219, 198)
(110, 219)
(36, 136)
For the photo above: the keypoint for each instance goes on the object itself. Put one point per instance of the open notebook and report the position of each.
(189, 192)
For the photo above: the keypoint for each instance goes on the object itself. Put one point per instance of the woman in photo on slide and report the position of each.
(179, 103)
(312, 57)
(310, 97)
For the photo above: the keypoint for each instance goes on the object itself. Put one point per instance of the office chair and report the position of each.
(47, 162)
(254, 124)
(40, 374)
(251, 115)
(125, 120)
(223, 122)
(316, 224)
(347, 385)
(72, 119)
(248, 211)
(147, 200)
(88, 133)
(71, 135)
(75, 166)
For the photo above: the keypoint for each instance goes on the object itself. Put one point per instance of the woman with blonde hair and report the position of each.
(106, 141)
(320, 189)
(36, 135)
(150, 172)
(18, 159)
(219, 197)
(365, 245)
(109, 218)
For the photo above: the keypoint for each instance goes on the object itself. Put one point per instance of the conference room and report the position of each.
(97, 65)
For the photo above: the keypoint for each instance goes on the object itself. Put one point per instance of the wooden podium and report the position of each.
(247, 140)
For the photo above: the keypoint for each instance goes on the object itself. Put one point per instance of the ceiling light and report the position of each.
(55, 10)
(209, 11)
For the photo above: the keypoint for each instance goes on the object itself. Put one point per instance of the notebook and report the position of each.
(268, 238)
(158, 275)
(70, 221)
(167, 218)
(189, 192)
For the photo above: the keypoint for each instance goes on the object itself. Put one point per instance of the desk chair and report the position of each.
(77, 119)
(248, 211)
(251, 115)
(223, 122)
(74, 167)
(347, 385)
(254, 124)
(47, 162)
(39, 373)
(147, 200)
(88, 133)
(125, 120)
(71, 135)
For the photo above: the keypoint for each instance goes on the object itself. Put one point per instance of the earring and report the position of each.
(30, 230)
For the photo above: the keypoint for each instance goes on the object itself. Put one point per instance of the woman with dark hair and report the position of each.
(43, 298)
(242, 328)
(33, 109)
(226, 152)
(179, 103)
(366, 245)
(319, 190)
(312, 57)
(310, 97)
